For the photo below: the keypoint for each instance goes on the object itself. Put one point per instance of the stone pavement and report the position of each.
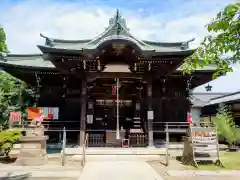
(116, 168)
(44, 172)
(119, 170)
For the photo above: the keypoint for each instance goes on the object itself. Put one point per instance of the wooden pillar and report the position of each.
(38, 84)
(83, 111)
(149, 114)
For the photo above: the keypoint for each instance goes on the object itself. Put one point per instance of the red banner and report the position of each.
(15, 116)
(48, 113)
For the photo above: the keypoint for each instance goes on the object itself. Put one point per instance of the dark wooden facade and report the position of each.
(78, 77)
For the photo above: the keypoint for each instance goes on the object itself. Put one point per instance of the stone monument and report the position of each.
(33, 146)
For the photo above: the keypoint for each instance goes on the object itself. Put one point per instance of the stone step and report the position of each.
(116, 151)
(120, 170)
(91, 158)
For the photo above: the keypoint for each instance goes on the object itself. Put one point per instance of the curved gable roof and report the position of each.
(117, 28)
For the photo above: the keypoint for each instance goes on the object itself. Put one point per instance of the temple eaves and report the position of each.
(38, 61)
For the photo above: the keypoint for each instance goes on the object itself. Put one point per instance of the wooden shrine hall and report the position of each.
(112, 86)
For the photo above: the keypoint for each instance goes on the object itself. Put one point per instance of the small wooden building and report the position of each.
(80, 76)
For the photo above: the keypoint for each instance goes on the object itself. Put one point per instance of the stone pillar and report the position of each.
(150, 109)
(83, 111)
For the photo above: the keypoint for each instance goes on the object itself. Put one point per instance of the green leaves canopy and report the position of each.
(14, 96)
(225, 124)
(222, 47)
(3, 45)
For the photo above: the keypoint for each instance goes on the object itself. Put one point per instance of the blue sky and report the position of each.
(159, 20)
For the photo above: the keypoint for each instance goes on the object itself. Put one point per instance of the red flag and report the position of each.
(189, 118)
(15, 116)
(40, 118)
(50, 113)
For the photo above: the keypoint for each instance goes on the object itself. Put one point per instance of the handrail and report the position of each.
(167, 144)
(64, 141)
(85, 145)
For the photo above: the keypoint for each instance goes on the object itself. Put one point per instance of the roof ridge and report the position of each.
(226, 95)
(167, 43)
(64, 40)
(117, 24)
(24, 55)
(4, 57)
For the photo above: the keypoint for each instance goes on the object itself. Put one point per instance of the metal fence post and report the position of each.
(167, 143)
(63, 146)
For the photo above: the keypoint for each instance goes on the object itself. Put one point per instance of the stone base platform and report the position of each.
(32, 151)
(116, 151)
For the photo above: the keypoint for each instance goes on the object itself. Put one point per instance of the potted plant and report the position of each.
(226, 127)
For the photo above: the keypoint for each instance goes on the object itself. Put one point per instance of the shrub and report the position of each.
(225, 124)
(7, 139)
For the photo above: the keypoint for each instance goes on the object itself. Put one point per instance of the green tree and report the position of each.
(14, 94)
(3, 45)
(222, 46)
(225, 124)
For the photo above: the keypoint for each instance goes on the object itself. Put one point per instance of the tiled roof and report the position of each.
(37, 60)
(201, 99)
(117, 29)
(225, 98)
(25, 60)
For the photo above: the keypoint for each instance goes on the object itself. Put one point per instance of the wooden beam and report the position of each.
(114, 75)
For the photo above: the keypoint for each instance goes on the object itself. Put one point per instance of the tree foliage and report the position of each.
(225, 124)
(7, 139)
(3, 45)
(222, 46)
(14, 96)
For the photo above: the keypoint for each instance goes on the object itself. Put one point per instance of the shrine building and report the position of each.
(84, 79)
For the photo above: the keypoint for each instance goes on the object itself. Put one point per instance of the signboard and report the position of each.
(15, 116)
(90, 105)
(137, 106)
(98, 119)
(150, 115)
(89, 119)
(47, 112)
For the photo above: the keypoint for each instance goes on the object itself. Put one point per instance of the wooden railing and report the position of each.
(85, 145)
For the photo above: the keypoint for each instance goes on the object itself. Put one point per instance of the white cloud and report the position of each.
(24, 22)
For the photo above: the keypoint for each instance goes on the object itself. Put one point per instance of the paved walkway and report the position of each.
(119, 170)
(44, 172)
